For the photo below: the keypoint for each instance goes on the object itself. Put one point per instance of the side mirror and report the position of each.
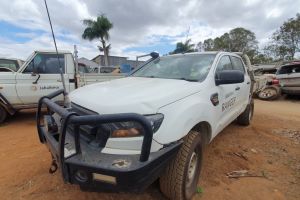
(229, 77)
(154, 55)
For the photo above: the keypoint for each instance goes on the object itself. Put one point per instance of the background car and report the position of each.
(289, 78)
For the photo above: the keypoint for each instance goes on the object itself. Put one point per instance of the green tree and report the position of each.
(276, 51)
(185, 47)
(286, 40)
(242, 40)
(237, 40)
(98, 29)
(262, 58)
(208, 44)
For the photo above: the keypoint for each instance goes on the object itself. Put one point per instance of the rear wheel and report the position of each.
(269, 93)
(3, 114)
(179, 182)
(246, 117)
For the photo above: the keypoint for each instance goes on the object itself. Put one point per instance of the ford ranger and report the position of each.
(123, 134)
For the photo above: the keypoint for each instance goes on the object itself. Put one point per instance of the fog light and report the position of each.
(81, 176)
(105, 178)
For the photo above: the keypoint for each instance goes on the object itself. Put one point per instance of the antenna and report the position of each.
(187, 33)
(60, 67)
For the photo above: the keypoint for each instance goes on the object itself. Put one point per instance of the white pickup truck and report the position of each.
(39, 76)
(124, 134)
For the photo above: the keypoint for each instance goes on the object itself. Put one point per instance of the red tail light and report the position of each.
(275, 82)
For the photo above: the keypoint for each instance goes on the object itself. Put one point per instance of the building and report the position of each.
(116, 61)
(87, 62)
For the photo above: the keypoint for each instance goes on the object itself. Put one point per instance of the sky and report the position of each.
(139, 26)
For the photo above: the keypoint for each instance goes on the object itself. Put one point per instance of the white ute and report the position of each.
(103, 141)
(40, 76)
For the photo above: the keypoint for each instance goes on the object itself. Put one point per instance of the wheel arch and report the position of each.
(204, 128)
(6, 105)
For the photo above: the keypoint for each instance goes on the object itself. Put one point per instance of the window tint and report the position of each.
(237, 64)
(46, 64)
(224, 64)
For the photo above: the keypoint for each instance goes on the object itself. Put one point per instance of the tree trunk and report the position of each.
(105, 52)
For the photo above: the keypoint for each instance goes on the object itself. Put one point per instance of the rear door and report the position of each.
(46, 79)
(242, 90)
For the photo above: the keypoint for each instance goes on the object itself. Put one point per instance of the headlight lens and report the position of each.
(133, 129)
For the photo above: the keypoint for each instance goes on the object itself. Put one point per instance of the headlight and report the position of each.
(133, 129)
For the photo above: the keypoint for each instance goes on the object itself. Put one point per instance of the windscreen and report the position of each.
(190, 67)
(289, 69)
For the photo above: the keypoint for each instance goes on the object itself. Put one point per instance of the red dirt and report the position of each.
(270, 145)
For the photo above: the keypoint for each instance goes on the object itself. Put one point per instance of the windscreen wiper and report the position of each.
(190, 80)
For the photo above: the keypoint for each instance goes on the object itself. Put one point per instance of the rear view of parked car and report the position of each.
(289, 78)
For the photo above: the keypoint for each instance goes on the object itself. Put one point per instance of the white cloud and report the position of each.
(137, 23)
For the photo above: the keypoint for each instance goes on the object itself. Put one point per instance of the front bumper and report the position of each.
(85, 165)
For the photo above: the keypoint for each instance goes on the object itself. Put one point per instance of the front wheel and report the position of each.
(246, 117)
(179, 182)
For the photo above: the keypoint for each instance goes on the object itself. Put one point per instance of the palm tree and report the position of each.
(98, 29)
(184, 47)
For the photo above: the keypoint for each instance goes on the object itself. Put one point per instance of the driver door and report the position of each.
(40, 77)
(227, 94)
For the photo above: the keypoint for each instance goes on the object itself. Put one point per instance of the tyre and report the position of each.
(245, 118)
(269, 93)
(3, 114)
(179, 182)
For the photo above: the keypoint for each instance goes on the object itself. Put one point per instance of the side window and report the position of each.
(224, 64)
(237, 64)
(46, 64)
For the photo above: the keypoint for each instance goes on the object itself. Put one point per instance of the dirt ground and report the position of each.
(269, 148)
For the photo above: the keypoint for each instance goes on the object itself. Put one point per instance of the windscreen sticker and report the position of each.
(228, 104)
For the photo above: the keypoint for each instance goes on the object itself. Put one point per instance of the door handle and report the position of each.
(58, 80)
(248, 82)
(237, 88)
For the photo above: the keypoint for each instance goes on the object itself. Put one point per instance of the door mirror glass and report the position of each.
(229, 77)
